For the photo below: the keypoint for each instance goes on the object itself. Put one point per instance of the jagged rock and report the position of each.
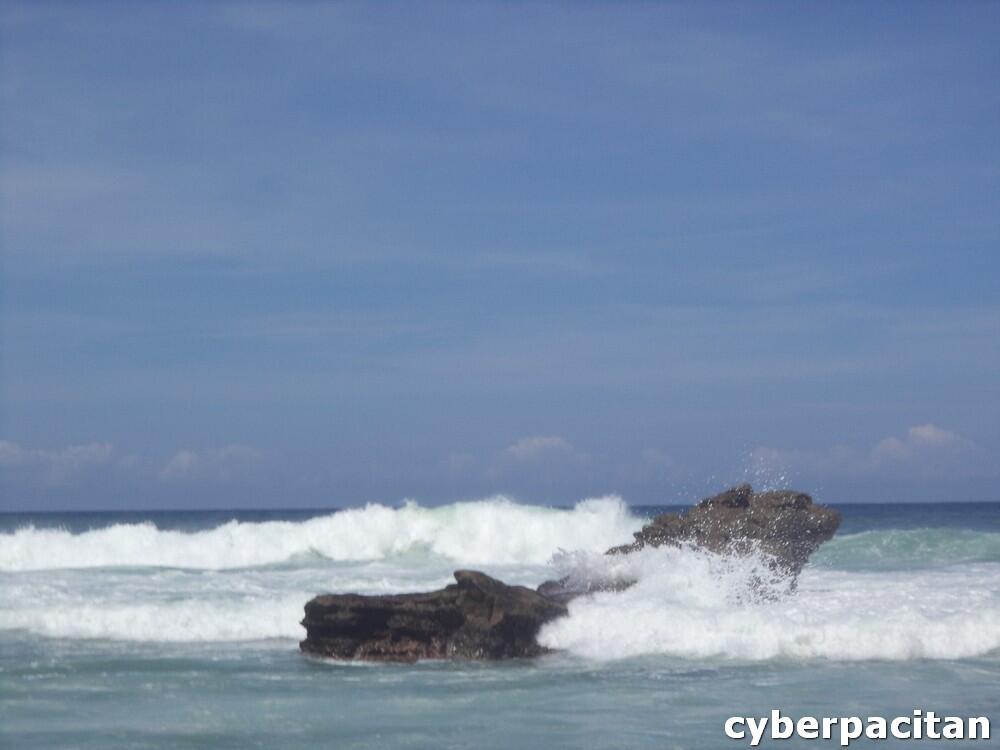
(785, 525)
(478, 617)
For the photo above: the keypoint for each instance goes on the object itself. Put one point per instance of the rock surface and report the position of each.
(477, 617)
(787, 526)
(784, 524)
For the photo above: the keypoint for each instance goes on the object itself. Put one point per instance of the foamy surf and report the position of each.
(492, 531)
(882, 594)
(188, 621)
(693, 604)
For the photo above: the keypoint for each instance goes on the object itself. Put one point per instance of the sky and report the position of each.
(311, 255)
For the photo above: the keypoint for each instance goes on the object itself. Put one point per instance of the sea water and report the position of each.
(180, 630)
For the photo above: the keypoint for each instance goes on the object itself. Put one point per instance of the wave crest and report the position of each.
(492, 531)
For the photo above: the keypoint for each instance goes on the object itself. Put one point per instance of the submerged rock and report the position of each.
(478, 617)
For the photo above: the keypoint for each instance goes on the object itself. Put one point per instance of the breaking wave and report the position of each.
(493, 531)
(875, 595)
(693, 604)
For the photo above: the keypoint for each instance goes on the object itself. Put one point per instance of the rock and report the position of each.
(785, 525)
(564, 590)
(478, 617)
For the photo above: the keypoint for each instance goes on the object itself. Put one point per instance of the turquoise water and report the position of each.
(179, 630)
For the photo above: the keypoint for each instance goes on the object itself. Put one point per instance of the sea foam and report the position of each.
(693, 604)
(492, 531)
(186, 621)
(876, 595)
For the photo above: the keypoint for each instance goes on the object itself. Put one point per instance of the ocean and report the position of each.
(180, 629)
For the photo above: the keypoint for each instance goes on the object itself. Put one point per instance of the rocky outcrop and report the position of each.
(477, 617)
(785, 525)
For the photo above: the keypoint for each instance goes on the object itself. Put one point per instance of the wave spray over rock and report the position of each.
(482, 617)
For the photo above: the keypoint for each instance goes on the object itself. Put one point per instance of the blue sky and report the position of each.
(324, 254)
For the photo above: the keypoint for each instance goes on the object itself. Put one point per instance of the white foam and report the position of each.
(136, 582)
(190, 620)
(688, 604)
(178, 605)
(492, 531)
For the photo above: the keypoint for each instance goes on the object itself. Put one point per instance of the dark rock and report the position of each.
(565, 590)
(476, 618)
(785, 525)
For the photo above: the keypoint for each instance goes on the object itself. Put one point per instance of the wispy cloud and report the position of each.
(918, 442)
(57, 466)
(542, 237)
(552, 463)
(79, 465)
(183, 463)
(925, 450)
(536, 446)
(222, 464)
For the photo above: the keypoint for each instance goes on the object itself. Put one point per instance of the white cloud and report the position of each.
(222, 464)
(919, 441)
(924, 450)
(182, 464)
(59, 466)
(55, 466)
(530, 448)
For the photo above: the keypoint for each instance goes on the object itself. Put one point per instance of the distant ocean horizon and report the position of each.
(179, 628)
(312, 511)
